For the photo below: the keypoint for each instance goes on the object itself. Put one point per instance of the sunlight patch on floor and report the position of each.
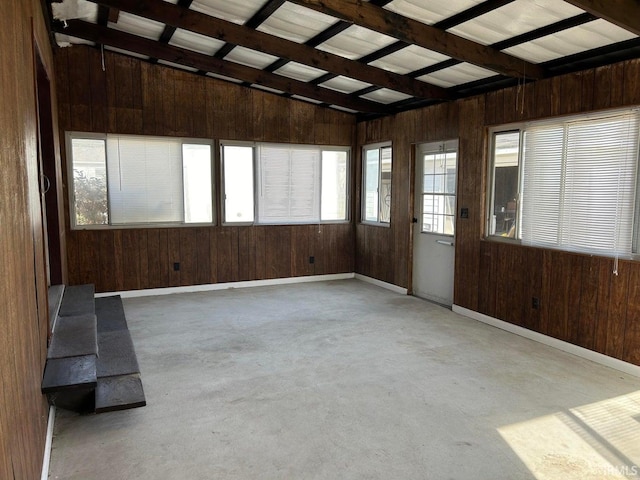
(599, 441)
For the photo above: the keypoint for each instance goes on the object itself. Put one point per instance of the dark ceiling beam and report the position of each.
(471, 13)
(321, 37)
(207, 63)
(575, 21)
(556, 27)
(412, 31)
(624, 13)
(174, 15)
(106, 14)
(254, 22)
(169, 30)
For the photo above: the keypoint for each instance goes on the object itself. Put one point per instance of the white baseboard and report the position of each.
(585, 353)
(225, 286)
(47, 446)
(380, 283)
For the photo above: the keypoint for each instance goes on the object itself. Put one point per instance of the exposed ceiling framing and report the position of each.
(373, 58)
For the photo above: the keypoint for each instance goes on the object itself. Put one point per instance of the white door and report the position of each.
(435, 212)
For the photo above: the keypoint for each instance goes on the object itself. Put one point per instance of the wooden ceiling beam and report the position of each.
(232, 33)
(207, 63)
(406, 29)
(624, 13)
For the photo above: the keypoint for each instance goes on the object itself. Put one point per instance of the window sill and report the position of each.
(376, 224)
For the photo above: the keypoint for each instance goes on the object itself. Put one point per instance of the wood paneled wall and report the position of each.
(133, 97)
(580, 300)
(23, 341)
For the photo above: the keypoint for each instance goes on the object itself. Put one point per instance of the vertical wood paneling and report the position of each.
(618, 298)
(184, 98)
(587, 320)
(150, 99)
(188, 257)
(23, 342)
(246, 253)
(173, 249)
(605, 268)
(632, 82)
(203, 256)
(631, 348)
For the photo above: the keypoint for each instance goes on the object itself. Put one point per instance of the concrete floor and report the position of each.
(345, 380)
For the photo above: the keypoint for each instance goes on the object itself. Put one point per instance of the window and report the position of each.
(568, 183)
(376, 200)
(136, 180)
(237, 165)
(438, 187)
(294, 183)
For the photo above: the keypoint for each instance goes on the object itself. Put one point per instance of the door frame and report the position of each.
(412, 205)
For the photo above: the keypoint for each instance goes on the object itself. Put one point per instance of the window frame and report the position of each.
(431, 148)
(256, 181)
(71, 135)
(522, 127)
(363, 197)
(223, 193)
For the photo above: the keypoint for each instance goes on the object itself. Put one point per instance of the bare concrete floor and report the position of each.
(344, 380)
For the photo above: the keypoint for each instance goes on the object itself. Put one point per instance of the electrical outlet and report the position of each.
(176, 267)
(535, 303)
(312, 259)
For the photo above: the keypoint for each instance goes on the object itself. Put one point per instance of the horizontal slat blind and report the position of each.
(579, 184)
(541, 185)
(145, 180)
(289, 184)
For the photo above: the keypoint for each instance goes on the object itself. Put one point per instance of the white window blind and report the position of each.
(289, 184)
(579, 184)
(145, 180)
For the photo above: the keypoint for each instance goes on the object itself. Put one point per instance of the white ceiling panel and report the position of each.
(71, 9)
(267, 89)
(386, 96)
(300, 72)
(223, 77)
(177, 65)
(356, 42)
(345, 84)
(573, 40)
(343, 109)
(431, 11)
(143, 27)
(409, 59)
(236, 12)
(250, 58)
(196, 42)
(67, 40)
(305, 99)
(514, 19)
(126, 52)
(457, 75)
(296, 23)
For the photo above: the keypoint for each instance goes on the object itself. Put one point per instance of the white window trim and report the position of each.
(521, 128)
(256, 180)
(363, 205)
(228, 143)
(128, 226)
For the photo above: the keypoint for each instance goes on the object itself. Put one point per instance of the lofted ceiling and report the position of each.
(371, 58)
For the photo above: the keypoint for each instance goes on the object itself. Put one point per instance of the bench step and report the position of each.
(110, 313)
(74, 336)
(69, 373)
(78, 300)
(119, 393)
(91, 362)
(117, 355)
